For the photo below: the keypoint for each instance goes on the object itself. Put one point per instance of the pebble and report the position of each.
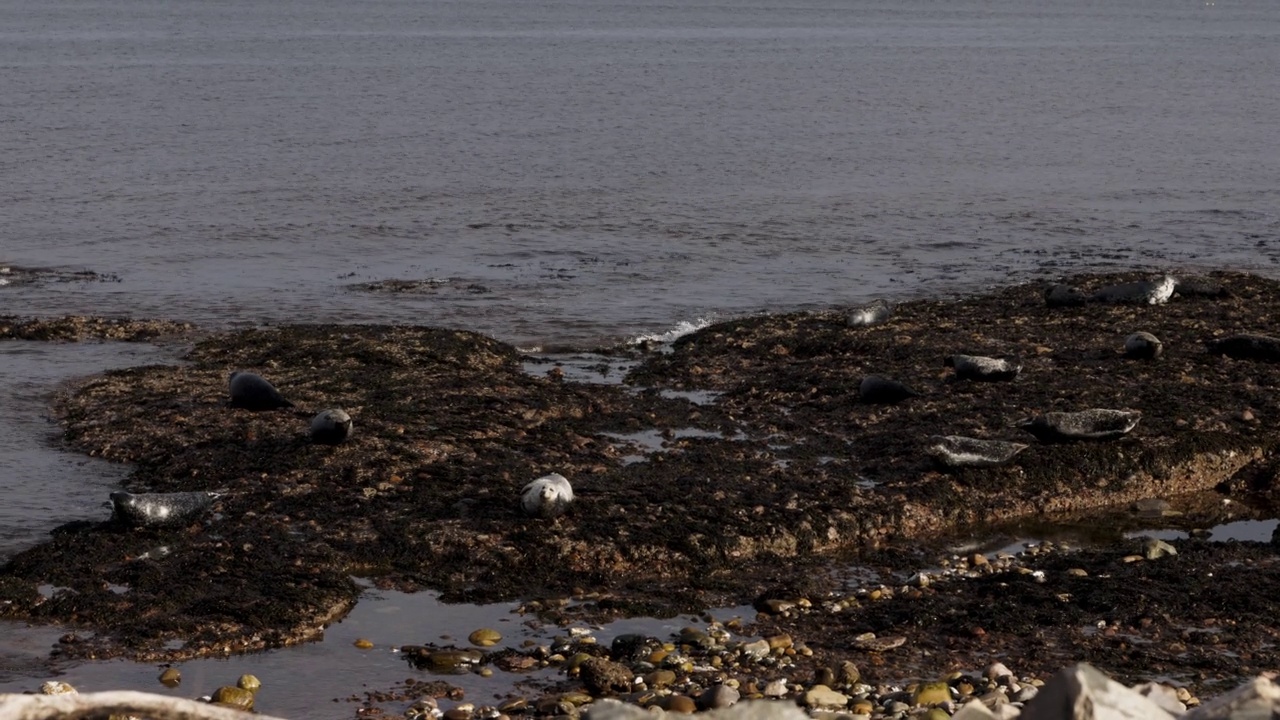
(776, 688)
(363, 643)
(756, 650)
(821, 696)
(170, 678)
(718, 696)
(869, 642)
(485, 637)
(1154, 549)
(932, 693)
(678, 704)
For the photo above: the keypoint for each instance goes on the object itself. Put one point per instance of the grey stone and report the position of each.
(1082, 692)
(1259, 698)
(748, 710)
(821, 696)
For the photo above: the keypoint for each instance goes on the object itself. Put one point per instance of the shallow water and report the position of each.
(329, 679)
(42, 486)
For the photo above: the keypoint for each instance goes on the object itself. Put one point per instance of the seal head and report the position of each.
(155, 510)
(547, 497)
(1143, 346)
(331, 427)
(253, 392)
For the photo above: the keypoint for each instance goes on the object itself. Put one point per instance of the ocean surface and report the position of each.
(570, 174)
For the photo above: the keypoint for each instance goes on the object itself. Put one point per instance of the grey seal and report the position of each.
(1093, 424)
(177, 509)
(956, 451)
(873, 313)
(985, 369)
(1142, 292)
(331, 427)
(547, 497)
(1060, 295)
(253, 392)
(1246, 346)
(1143, 346)
(876, 389)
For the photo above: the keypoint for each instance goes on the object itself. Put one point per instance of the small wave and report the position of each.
(682, 328)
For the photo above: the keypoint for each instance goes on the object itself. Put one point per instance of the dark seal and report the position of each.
(1143, 346)
(881, 390)
(1247, 346)
(253, 392)
(1094, 424)
(160, 509)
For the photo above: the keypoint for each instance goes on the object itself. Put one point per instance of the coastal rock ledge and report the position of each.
(788, 468)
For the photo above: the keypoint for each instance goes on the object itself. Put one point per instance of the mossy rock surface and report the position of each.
(789, 471)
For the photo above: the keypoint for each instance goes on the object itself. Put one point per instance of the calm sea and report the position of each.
(562, 174)
(571, 172)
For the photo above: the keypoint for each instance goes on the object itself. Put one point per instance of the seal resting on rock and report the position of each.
(986, 369)
(547, 497)
(956, 451)
(177, 509)
(876, 389)
(1143, 346)
(1142, 292)
(873, 313)
(253, 392)
(1093, 424)
(1247, 346)
(331, 426)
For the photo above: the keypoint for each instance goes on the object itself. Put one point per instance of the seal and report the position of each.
(981, 368)
(1246, 346)
(952, 452)
(253, 392)
(873, 313)
(331, 427)
(1059, 295)
(547, 497)
(881, 390)
(177, 509)
(1143, 346)
(1143, 292)
(1093, 424)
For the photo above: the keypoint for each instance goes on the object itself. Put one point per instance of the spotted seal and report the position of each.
(1143, 346)
(873, 313)
(882, 390)
(1093, 424)
(177, 509)
(985, 369)
(1246, 346)
(1059, 295)
(956, 451)
(253, 392)
(331, 427)
(546, 497)
(1142, 292)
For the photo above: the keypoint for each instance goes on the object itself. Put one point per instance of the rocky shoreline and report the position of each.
(752, 496)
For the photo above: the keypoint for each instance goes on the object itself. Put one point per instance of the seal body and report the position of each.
(985, 369)
(881, 390)
(1247, 346)
(331, 426)
(161, 509)
(1143, 346)
(955, 451)
(1093, 424)
(873, 313)
(1143, 292)
(253, 392)
(547, 497)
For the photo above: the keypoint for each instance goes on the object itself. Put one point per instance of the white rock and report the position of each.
(1258, 698)
(1082, 692)
(1162, 695)
(974, 710)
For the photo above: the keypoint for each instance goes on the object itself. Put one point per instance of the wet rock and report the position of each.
(57, 687)
(932, 693)
(484, 637)
(606, 677)
(170, 678)
(718, 696)
(1081, 692)
(249, 682)
(1154, 549)
(235, 697)
(678, 704)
